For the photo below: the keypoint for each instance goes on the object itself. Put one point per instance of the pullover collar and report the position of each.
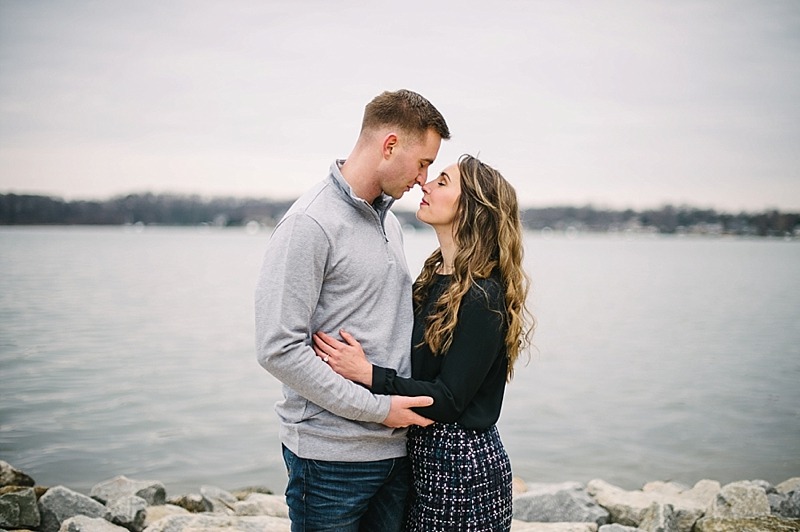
(381, 204)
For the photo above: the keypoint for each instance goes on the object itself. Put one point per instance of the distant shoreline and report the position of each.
(186, 210)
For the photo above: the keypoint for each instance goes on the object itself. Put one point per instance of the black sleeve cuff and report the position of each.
(381, 380)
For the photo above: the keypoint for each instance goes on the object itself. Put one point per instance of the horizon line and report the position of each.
(207, 197)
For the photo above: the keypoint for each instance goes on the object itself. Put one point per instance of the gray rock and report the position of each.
(702, 493)
(218, 522)
(261, 504)
(522, 526)
(660, 518)
(791, 507)
(667, 488)
(739, 499)
(788, 486)
(625, 507)
(618, 528)
(11, 476)
(218, 500)
(629, 507)
(121, 486)
(775, 501)
(558, 503)
(60, 503)
(763, 484)
(82, 523)
(242, 493)
(9, 513)
(19, 509)
(192, 502)
(154, 513)
(785, 504)
(128, 512)
(747, 524)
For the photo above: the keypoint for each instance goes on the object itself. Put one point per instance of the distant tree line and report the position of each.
(171, 209)
(667, 220)
(149, 209)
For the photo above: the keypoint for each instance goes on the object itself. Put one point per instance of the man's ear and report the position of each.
(389, 144)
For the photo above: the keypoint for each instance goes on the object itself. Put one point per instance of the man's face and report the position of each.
(411, 159)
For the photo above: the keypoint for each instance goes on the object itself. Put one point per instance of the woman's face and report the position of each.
(440, 198)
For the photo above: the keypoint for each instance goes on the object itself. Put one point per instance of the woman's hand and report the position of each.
(346, 359)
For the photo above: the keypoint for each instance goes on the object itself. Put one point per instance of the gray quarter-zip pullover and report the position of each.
(334, 262)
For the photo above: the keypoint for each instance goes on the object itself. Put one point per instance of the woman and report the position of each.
(470, 326)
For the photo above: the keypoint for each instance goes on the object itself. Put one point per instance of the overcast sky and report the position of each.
(614, 103)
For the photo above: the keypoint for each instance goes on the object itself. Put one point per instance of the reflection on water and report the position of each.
(131, 352)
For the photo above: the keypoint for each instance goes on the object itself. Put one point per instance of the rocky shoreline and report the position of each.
(121, 504)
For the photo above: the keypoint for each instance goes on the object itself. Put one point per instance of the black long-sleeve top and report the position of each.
(467, 382)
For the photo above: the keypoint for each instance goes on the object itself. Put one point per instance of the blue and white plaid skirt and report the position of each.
(461, 480)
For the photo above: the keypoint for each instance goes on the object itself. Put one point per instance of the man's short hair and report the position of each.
(406, 110)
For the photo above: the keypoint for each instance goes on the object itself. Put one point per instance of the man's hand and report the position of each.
(401, 415)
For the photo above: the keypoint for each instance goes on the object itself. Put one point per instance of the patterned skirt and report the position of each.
(461, 480)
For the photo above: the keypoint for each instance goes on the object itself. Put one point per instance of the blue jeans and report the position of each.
(346, 496)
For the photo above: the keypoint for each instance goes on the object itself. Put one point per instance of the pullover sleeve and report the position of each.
(477, 342)
(286, 296)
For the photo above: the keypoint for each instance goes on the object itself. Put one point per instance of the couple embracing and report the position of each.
(363, 352)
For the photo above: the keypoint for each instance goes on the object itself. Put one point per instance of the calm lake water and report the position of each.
(657, 358)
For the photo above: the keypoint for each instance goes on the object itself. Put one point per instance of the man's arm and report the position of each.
(287, 293)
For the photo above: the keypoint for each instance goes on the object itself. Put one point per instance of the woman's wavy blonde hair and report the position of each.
(488, 236)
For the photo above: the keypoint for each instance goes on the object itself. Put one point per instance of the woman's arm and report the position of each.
(346, 359)
(477, 341)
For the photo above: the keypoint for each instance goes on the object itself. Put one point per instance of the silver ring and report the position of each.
(325, 358)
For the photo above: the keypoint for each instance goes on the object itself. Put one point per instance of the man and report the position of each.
(334, 261)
